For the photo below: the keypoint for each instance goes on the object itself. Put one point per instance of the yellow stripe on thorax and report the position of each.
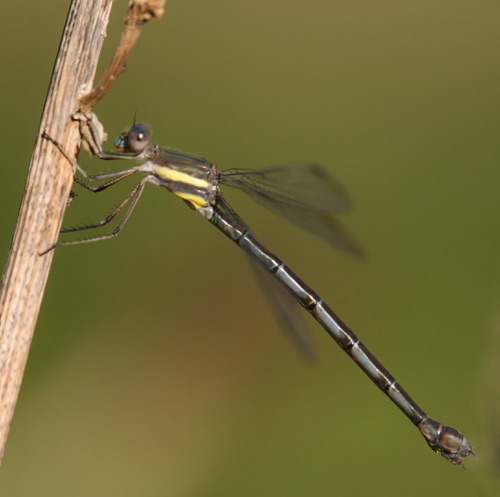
(196, 201)
(172, 175)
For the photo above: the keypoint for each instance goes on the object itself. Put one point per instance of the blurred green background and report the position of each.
(157, 368)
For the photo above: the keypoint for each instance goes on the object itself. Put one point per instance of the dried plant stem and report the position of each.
(50, 178)
(45, 196)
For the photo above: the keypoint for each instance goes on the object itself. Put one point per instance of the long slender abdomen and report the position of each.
(445, 440)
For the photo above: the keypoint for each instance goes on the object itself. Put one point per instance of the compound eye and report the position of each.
(138, 138)
(135, 140)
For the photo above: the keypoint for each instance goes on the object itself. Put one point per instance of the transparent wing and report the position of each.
(309, 197)
(305, 194)
(285, 308)
(301, 185)
(286, 312)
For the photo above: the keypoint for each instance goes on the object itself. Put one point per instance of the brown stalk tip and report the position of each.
(141, 11)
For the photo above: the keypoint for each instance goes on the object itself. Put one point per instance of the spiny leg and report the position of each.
(104, 186)
(131, 199)
(110, 216)
(113, 177)
(96, 177)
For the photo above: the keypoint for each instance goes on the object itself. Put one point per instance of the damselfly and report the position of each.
(302, 193)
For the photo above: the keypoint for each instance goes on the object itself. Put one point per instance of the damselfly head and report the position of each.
(134, 140)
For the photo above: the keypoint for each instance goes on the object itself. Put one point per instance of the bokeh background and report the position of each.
(157, 368)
